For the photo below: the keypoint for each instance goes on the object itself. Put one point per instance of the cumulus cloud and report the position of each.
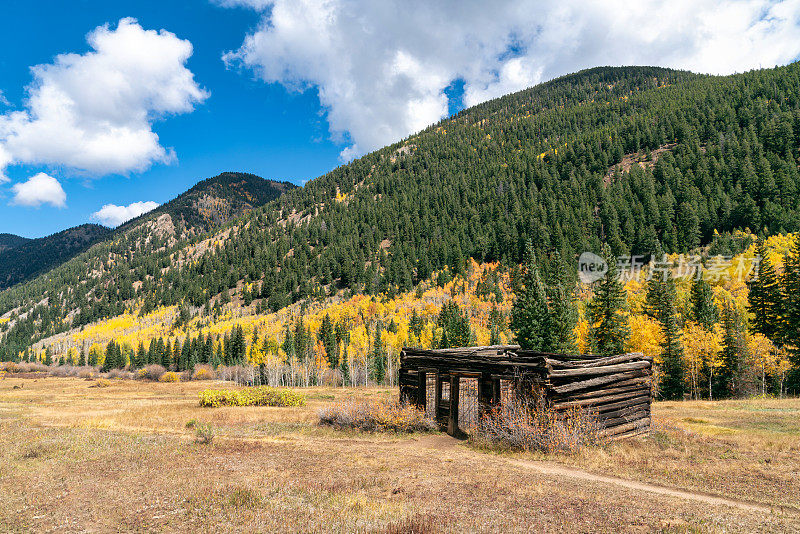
(94, 112)
(39, 189)
(382, 69)
(113, 215)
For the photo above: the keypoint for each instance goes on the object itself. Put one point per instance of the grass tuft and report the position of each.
(376, 416)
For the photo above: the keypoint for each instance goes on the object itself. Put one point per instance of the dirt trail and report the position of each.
(441, 442)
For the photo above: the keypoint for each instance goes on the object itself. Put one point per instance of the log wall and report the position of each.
(617, 388)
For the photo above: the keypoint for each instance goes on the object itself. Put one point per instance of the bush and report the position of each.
(170, 376)
(380, 416)
(25, 367)
(203, 433)
(87, 372)
(101, 383)
(151, 372)
(203, 372)
(529, 425)
(260, 396)
(119, 374)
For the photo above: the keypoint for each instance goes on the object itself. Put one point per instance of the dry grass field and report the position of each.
(79, 458)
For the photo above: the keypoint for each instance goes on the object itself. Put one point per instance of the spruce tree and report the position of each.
(563, 314)
(344, 367)
(328, 338)
(732, 353)
(703, 310)
(791, 326)
(765, 301)
(608, 322)
(530, 314)
(378, 356)
(661, 297)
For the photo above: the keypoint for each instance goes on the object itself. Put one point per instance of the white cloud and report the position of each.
(381, 68)
(39, 189)
(94, 112)
(113, 215)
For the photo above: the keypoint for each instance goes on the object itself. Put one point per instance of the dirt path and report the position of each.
(442, 442)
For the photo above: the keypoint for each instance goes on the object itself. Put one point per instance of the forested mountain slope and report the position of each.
(643, 158)
(36, 256)
(207, 205)
(9, 241)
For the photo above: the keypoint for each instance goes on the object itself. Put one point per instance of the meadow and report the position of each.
(78, 457)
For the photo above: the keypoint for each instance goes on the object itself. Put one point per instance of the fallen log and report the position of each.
(599, 381)
(606, 369)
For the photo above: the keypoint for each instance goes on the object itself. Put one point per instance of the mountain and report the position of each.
(209, 204)
(9, 241)
(643, 158)
(216, 200)
(35, 256)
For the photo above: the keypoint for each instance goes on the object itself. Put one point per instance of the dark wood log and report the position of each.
(643, 399)
(627, 427)
(603, 370)
(631, 434)
(602, 400)
(438, 403)
(623, 419)
(422, 389)
(641, 384)
(633, 356)
(617, 411)
(599, 381)
(452, 422)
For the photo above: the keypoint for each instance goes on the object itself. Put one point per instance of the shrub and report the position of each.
(151, 372)
(119, 374)
(203, 433)
(203, 372)
(530, 425)
(87, 372)
(101, 383)
(25, 367)
(380, 416)
(170, 376)
(191, 423)
(259, 396)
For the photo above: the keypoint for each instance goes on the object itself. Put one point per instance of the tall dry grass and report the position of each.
(376, 416)
(528, 424)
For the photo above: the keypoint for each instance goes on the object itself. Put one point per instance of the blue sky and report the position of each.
(244, 125)
(289, 89)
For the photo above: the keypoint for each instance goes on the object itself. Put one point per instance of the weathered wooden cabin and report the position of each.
(456, 386)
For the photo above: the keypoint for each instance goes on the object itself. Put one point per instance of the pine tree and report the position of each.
(328, 338)
(608, 322)
(765, 299)
(732, 353)
(563, 314)
(791, 326)
(455, 326)
(166, 354)
(661, 297)
(703, 310)
(378, 356)
(415, 324)
(344, 367)
(530, 313)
